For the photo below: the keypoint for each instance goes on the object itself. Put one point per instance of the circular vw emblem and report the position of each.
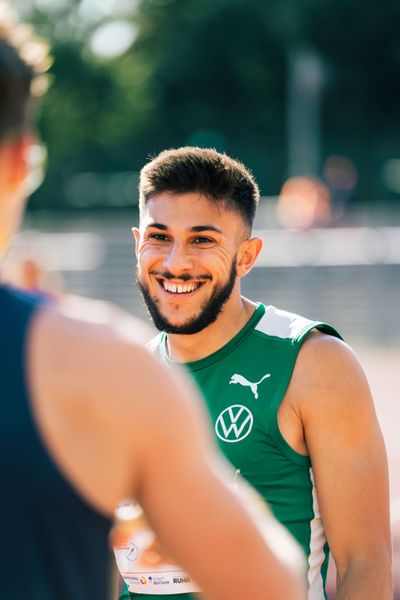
(234, 423)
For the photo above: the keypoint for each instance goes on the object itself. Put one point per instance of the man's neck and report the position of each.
(188, 348)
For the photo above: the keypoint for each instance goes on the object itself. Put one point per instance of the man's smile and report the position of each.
(184, 285)
(179, 288)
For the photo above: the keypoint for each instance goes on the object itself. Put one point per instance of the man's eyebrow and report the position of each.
(199, 228)
(194, 229)
(157, 226)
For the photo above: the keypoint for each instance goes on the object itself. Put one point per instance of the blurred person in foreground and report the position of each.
(88, 417)
(291, 406)
(27, 270)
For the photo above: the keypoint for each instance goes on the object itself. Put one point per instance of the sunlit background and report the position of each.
(306, 93)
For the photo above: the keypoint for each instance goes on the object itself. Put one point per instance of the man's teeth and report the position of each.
(180, 288)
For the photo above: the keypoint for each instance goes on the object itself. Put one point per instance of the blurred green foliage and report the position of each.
(214, 72)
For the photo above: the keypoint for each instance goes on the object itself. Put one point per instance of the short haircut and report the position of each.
(215, 175)
(23, 59)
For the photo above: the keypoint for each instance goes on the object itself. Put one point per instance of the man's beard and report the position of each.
(209, 309)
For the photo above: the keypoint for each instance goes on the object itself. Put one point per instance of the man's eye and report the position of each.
(160, 237)
(202, 240)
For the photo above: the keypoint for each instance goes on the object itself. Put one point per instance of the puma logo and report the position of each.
(236, 378)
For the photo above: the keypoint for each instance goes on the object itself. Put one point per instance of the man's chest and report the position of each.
(241, 397)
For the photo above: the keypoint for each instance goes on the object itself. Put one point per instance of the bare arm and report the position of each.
(350, 468)
(120, 425)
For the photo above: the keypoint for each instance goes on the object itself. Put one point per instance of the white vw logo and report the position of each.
(234, 423)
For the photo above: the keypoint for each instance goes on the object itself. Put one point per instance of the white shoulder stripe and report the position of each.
(280, 323)
(317, 555)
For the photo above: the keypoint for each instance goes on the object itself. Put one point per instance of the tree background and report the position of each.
(213, 73)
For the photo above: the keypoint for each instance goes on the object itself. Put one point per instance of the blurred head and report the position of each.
(23, 59)
(221, 179)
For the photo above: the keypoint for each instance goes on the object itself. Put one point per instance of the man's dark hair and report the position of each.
(206, 171)
(23, 58)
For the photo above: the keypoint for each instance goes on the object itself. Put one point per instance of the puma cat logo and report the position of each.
(236, 378)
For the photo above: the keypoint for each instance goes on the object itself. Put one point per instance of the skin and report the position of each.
(329, 415)
(327, 412)
(13, 173)
(97, 396)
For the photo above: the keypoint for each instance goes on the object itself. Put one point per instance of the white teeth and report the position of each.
(180, 289)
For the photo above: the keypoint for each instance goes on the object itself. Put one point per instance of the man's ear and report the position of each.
(247, 255)
(136, 235)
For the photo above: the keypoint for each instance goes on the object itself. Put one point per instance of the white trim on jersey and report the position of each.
(282, 324)
(317, 554)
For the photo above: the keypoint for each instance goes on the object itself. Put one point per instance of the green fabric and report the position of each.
(243, 385)
(125, 594)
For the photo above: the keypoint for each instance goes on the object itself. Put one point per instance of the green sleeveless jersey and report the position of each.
(243, 384)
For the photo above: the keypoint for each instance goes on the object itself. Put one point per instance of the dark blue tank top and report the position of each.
(53, 545)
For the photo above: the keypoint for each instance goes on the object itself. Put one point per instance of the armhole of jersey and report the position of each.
(323, 327)
(272, 411)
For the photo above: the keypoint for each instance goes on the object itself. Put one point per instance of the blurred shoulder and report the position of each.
(102, 312)
(87, 349)
(100, 361)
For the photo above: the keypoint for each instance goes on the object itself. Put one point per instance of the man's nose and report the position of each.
(178, 259)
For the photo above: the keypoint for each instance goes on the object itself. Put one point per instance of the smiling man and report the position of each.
(290, 404)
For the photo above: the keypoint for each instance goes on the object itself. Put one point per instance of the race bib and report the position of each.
(140, 575)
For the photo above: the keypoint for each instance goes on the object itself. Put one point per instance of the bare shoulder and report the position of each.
(326, 356)
(328, 376)
(101, 312)
(93, 361)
